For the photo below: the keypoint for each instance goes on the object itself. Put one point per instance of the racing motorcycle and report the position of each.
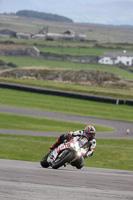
(70, 152)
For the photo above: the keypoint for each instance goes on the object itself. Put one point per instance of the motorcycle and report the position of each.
(70, 152)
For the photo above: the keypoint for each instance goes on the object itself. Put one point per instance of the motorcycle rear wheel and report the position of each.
(62, 161)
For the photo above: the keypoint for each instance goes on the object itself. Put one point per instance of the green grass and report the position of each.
(65, 105)
(20, 122)
(40, 62)
(72, 44)
(79, 51)
(113, 158)
(37, 42)
(33, 148)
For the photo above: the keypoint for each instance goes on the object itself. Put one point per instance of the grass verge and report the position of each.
(19, 122)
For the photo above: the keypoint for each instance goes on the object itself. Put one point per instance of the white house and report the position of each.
(112, 58)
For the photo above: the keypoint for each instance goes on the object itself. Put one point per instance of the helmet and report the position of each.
(90, 132)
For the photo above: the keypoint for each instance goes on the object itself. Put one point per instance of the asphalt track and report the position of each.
(21, 180)
(29, 181)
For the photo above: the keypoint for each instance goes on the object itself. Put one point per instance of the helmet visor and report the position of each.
(90, 135)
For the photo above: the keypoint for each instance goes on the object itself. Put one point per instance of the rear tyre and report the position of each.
(44, 162)
(63, 160)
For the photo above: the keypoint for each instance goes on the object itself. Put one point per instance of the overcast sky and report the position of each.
(116, 12)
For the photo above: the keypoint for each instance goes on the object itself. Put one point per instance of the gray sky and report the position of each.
(116, 12)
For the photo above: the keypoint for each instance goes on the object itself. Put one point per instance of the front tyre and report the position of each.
(44, 162)
(59, 162)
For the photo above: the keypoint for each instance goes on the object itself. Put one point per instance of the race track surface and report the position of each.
(29, 181)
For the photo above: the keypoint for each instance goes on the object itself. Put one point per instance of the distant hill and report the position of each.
(43, 16)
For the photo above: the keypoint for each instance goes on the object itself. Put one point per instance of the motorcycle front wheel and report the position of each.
(44, 162)
(61, 161)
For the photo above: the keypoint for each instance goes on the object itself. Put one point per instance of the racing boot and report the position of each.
(55, 145)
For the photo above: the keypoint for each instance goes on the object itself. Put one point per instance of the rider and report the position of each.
(88, 132)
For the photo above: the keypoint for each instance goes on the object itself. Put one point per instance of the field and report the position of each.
(40, 62)
(79, 51)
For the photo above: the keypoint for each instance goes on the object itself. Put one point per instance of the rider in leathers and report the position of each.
(88, 132)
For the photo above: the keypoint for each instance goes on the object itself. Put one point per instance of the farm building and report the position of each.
(75, 36)
(23, 35)
(59, 36)
(112, 58)
(19, 50)
(69, 32)
(66, 35)
(38, 36)
(6, 33)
